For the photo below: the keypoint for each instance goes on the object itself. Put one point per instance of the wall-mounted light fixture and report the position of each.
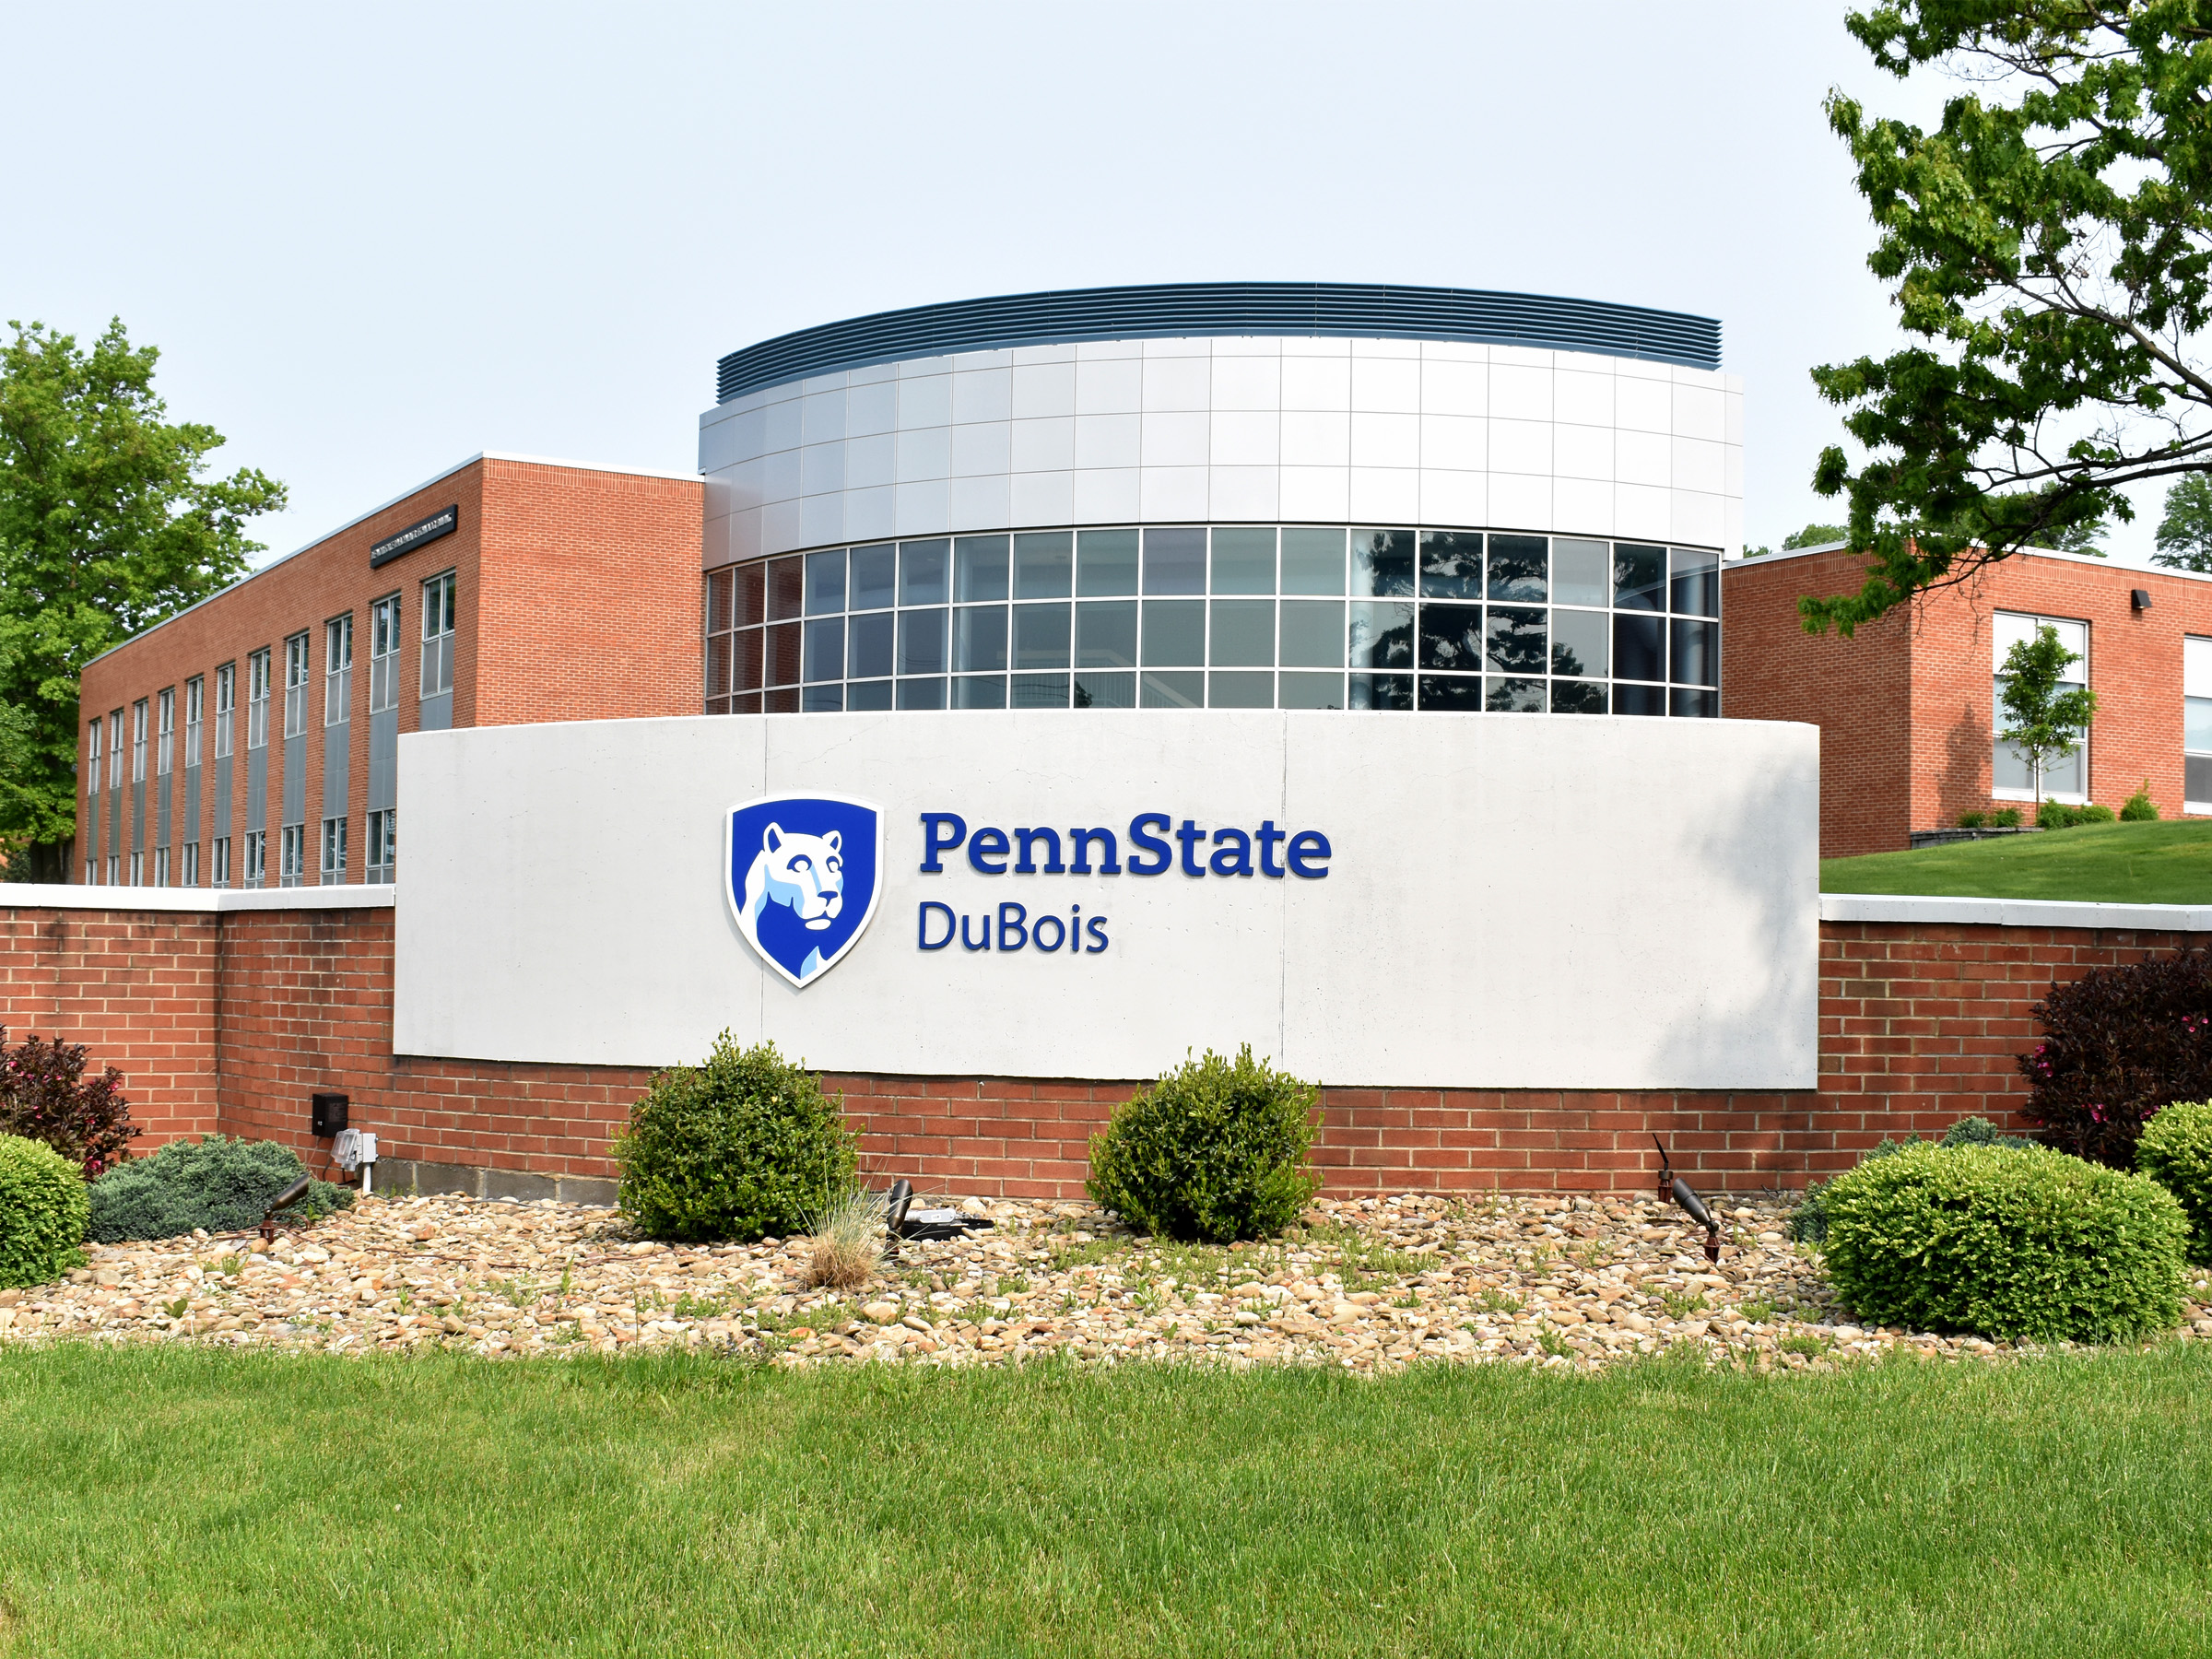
(2139, 598)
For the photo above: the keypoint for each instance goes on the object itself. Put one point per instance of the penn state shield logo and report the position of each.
(802, 874)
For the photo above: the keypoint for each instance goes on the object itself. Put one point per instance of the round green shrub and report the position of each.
(2011, 1241)
(2176, 1152)
(222, 1183)
(43, 1210)
(741, 1147)
(1214, 1150)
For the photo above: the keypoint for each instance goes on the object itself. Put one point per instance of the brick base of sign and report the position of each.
(228, 1021)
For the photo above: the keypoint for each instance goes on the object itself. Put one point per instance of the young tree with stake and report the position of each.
(2047, 723)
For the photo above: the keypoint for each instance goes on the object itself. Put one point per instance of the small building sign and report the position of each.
(414, 536)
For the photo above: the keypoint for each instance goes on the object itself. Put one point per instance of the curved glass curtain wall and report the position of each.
(1233, 617)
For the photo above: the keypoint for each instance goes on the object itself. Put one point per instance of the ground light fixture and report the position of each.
(1672, 1185)
(901, 1220)
(284, 1200)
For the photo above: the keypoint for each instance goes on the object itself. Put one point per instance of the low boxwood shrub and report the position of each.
(742, 1147)
(41, 1213)
(2176, 1152)
(2008, 1241)
(222, 1183)
(1214, 1150)
(45, 1097)
(2057, 815)
(1809, 1221)
(2004, 817)
(2118, 1044)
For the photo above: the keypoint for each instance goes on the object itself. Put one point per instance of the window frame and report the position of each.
(2081, 796)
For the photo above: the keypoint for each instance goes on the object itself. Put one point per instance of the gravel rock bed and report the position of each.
(1371, 1285)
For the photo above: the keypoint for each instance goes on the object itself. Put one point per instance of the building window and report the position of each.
(292, 855)
(2196, 725)
(137, 870)
(337, 670)
(1246, 617)
(334, 850)
(221, 872)
(384, 844)
(161, 867)
(92, 770)
(91, 872)
(165, 734)
(2011, 777)
(194, 689)
(226, 702)
(295, 686)
(192, 864)
(114, 755)
(257, 701)
(139, 744)
(257, 857)
(437, 635)
(114, 862)
(383, 655)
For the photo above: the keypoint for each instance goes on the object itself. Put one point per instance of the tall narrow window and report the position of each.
(137, 870)
(114, 865)
(257, 701)
(192, 864)
(161, 867)
(295, 684)
(115, 763)
(226, 703)
(92, 763)
(2196, 725)
(165, 738)
(138, 744)
(2012, 777)
(383, 655)
(257, 857)
(292, 852)
(195, 690)
(337, 670)
(437, 635)
(222, 873)
(384, 844)
(334, 852)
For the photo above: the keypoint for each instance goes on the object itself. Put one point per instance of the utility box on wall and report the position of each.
(329, 1113)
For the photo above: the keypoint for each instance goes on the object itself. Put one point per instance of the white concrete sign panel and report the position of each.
(1416, 901)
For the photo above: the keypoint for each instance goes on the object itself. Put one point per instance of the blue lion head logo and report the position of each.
(801, 875)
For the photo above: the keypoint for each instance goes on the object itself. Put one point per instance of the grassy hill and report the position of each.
(2114, 864)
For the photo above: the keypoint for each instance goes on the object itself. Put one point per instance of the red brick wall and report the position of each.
(232, 1026)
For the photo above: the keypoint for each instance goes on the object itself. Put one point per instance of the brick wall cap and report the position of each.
(40, 895)
(2014, 913)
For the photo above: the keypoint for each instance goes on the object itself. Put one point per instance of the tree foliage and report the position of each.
(107, 526)
(2050, 243)
(2184, 536)
(2043, 722)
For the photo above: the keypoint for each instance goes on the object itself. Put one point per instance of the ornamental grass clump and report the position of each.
(849, 1234)
(742, 1147)
(43, 1210)
(1215, 1150)
(2006, 1241)
(2119, 1045)
(222, 1183)
(2176, 1152)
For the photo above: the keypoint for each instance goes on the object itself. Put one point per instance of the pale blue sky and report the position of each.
(370, 242)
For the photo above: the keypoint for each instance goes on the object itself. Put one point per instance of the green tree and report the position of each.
(2050, 243)
(2043, 722)
(2185, 532)
(106, 528)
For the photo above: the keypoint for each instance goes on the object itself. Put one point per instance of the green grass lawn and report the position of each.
(2119, 864)
(181, 1502)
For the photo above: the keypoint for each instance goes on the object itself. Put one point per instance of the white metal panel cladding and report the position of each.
(1510, 901)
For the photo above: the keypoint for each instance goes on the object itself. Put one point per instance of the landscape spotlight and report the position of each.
(1672, 1185)
(284, 1200)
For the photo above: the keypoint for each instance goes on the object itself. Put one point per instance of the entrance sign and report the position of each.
(801, 875)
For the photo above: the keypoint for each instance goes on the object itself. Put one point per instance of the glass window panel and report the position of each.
(1105, 690)
(781, 702)
(1639, 699)
(1697, 653)
(874, 576)
(747, 659)
(1174, 690)
(925, 572)
(1687, 704)
(2196, 667)
(750, 602)
(1244, 561)
(1243, 635)
(868, 645)
(1309, 692)
(826, 582)
(921, 643)
(1696, 580)
(1639, 651)
(1513, 636)
(1106, 562)
(1393, 692)
(2196, 726)
(921, 693)
(1383, 562)
(718, 605)
(1512, 696)
(1313, 633)
(1381, 636)
(822, 700)
(1106, 636)
(1040, 636)
(1045, 564)
(1040, 691)
(1581, 572)
(1174, 633)
(1174, 561)
(979, 570)
(715, 705)
(784, 654)
(979, 641)
(1520, 569)
(1314, 562)
(2196, 777)
(1577, 697)
(980, 691)
(866, 695)
(1451, 636)
(826, 648)
(1581, 642)
(1639, 577)
(1454, 693)
(1246, 690)
(718, 665)
(747, 704)
(786, 588)
(1451, 564)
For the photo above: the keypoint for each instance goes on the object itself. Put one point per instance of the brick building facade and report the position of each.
(1906, 707)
